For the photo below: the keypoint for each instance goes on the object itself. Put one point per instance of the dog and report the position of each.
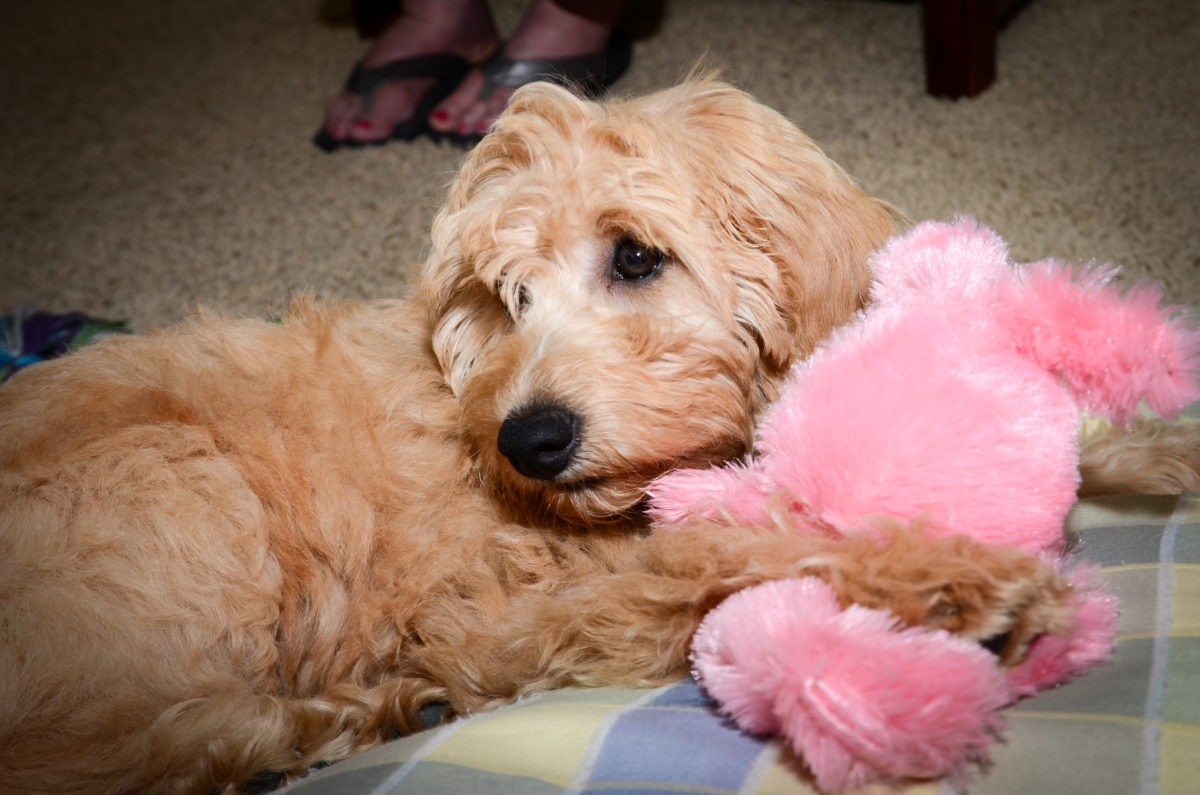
(236, 546)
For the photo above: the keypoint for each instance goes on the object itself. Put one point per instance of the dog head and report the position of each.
(616, 290)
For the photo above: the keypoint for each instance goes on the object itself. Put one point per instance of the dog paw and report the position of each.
(1001, 597)
(1005, 600)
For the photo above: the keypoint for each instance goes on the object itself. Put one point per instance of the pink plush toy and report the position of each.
(955, 398)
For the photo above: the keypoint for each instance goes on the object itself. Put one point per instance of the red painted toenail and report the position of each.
(440, 115)
(362, 124)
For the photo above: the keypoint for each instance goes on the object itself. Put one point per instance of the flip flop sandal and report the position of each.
(448, 69)
(590, 74)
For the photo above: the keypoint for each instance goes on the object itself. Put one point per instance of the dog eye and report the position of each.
(513, 305)
(634, 262)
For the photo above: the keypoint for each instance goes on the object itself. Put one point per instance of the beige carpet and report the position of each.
(155, 155)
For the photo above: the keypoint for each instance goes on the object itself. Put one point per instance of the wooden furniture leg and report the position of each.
(960, 44)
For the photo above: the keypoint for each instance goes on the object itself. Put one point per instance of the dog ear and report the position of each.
(463, 315)
(777, 193)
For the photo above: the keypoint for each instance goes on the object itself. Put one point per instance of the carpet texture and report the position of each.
(155, 156)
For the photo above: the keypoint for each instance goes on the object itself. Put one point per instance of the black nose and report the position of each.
(541, 442)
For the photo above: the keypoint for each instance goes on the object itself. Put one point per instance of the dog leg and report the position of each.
(1154, 457)
(997, 595)
(983, 592)
(634, 625)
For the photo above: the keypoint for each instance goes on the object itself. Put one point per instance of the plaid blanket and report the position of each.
(1132, 726)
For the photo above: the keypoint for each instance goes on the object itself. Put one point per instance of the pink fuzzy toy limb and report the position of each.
(858, 698)
(1112, 348)
(861, 699)
(734, 489)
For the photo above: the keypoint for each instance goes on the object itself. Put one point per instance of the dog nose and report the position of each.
(539, 443)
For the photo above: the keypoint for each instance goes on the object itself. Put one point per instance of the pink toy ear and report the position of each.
(857, 697)
(734, 490)
(937, 260)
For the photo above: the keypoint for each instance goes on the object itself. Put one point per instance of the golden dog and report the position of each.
(233, 546)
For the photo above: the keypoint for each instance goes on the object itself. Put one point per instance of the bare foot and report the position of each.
(546, 31)
(461, 27)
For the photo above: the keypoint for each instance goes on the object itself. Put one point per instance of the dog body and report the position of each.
(237, 546)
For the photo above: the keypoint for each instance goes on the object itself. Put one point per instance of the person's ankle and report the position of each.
(550, 31)
(421, 31)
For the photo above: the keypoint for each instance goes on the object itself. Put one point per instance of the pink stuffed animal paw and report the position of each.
(858, 697)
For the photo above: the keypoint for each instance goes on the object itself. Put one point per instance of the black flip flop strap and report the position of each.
(500, 70)
(366, 81)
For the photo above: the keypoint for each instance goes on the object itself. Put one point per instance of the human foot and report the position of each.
(373, 109)
(548, 38)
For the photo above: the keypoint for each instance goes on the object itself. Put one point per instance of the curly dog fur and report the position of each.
(233, 546)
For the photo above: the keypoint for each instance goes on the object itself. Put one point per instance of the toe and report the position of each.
(491, 108)
(450, 115)
(481, 114)
(465, 112)
(391, 105)
(472, 121)
(340, 114)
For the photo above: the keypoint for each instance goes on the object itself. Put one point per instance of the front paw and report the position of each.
(1001, 597)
